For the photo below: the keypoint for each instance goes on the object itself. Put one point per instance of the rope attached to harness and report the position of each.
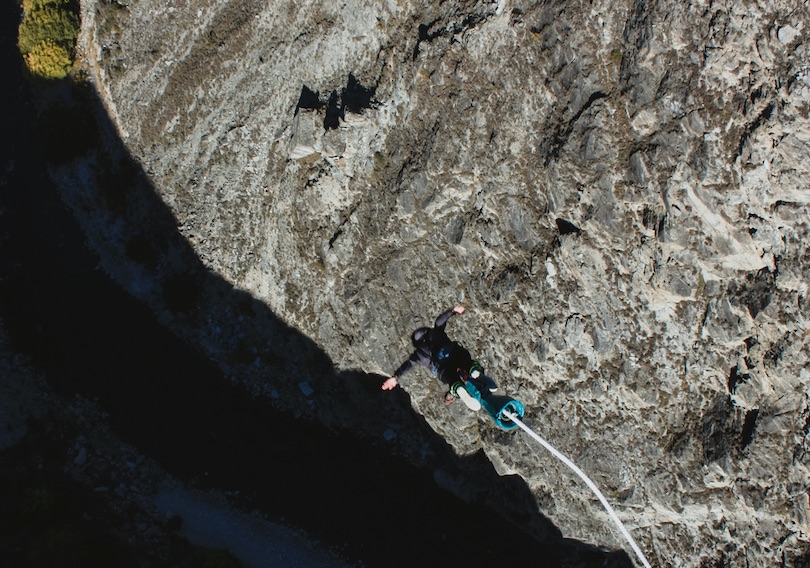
(560, 456)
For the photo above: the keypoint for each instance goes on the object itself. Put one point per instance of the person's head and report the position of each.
(418, 335)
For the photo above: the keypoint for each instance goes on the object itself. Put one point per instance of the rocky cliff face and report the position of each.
(617, 191)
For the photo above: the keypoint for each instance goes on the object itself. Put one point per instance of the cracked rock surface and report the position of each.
(618, 192)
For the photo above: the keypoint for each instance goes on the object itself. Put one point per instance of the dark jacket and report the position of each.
(431, 344)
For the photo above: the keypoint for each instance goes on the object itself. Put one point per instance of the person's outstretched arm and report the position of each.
(409, 364)
(442, 319)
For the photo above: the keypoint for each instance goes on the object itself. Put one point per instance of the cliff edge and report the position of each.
(617, 192)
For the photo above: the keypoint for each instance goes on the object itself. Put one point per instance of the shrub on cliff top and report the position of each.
(47, 36)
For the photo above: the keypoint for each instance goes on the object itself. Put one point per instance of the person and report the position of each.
(451, 363)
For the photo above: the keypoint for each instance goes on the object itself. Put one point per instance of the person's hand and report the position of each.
(389, 384)
(459, 309)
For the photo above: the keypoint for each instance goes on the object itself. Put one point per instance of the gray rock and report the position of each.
(333, 143)
(786, 34)
(674, 136)
(306, 135)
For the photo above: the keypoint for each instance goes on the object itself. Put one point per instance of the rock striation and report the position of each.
(617, 191)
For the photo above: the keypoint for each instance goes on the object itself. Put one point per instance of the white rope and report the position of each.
(514, 418)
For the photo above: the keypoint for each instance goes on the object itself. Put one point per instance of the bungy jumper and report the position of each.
(506, 412)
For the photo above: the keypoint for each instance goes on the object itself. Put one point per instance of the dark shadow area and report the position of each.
(309, 100)
(354, 98)
(164, 397)
(48, 519)
(423, 35)
(567, 227)
(334, 112)
(749, 427)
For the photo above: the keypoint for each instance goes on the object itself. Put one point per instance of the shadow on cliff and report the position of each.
(333, 476)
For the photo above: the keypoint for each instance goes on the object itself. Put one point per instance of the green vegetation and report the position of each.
(47, 37)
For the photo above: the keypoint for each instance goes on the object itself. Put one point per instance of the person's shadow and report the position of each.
(322, 449)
